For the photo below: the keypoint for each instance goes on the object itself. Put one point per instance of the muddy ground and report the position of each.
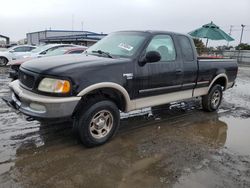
(178, 147)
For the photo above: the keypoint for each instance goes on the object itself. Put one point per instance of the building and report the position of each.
(6, 38)
(85, 38)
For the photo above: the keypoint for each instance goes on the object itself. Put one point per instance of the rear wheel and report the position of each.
(97, 122)
(3, 61)
(212, 100)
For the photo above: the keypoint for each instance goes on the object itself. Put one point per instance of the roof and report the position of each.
(79, 37)
(2, 36)
(152, 31)
(46, 30)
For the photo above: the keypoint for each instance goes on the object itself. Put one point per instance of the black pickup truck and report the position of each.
(124, 71)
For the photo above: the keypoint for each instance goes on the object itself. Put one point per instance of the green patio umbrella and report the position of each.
(210, 31)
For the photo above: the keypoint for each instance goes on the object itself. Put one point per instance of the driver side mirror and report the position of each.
(12, 51)
(150, 57)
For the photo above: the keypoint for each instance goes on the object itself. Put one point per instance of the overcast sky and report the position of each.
(18, 17)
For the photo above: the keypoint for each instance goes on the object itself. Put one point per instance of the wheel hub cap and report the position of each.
(101, 124)
(216, 98)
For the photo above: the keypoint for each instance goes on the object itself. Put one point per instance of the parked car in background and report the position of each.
(41, 51)
(15, 64)
(67, 50)
(14, 52)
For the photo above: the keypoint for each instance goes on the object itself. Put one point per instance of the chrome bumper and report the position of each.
(40, 106)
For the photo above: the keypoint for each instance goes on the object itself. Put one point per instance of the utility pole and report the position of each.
(230, 32)
(242, 30)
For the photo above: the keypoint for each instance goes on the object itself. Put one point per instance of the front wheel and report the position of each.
(212, 100)
(3, 61)
(97, 122)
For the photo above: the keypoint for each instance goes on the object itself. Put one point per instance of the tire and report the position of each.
(212, 100)
(3, 61)
(97, 122)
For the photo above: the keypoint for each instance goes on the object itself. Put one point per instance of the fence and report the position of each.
(242, 56)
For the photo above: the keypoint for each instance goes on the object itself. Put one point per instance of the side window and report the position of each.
(31, 48)
(49, 50)
(186, 48)
(164, 45)
(76, 52)
(23, 49)
(19, 49)
(27, 49)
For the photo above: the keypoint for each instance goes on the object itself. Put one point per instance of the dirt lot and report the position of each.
(178, 147)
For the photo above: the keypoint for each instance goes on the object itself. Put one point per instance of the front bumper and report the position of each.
(40, 106)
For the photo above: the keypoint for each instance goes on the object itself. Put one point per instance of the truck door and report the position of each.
(190, 66)
(164, 76)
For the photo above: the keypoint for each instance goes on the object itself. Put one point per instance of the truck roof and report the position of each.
(154, 32)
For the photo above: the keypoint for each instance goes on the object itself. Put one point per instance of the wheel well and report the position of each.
(4, 58)
(220, 81)
(110, 94)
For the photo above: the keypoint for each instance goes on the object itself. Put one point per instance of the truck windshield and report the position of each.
(118, 44)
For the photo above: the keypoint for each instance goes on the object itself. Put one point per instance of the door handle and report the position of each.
(178, 71)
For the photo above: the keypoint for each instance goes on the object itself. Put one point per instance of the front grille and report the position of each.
(26, 80)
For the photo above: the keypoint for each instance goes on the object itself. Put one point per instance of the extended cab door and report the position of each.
(164, 76)
(189, 61)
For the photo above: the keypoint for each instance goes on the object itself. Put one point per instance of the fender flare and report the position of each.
(222, 75)
(111, 85)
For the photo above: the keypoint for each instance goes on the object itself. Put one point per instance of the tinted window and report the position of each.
(164, 45)
(23, 49)
(76, 52)
(186, 48)
(30, 48)
(20, 49)
(50, 50)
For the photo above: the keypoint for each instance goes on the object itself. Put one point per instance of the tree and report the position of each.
(199, 46)
(243, 46)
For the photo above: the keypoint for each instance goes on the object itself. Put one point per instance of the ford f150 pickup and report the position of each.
(124, 71)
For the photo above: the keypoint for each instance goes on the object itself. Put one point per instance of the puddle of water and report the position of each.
(238, 134)
(5, 167)
(201, 179)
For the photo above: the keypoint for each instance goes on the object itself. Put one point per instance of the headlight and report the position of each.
(54, 85)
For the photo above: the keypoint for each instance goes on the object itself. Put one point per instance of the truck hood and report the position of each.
(59, 65)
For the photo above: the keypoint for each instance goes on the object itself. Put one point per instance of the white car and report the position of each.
(40, 51)
(14, 52)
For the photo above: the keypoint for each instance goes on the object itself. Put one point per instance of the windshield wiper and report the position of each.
(102, 52)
